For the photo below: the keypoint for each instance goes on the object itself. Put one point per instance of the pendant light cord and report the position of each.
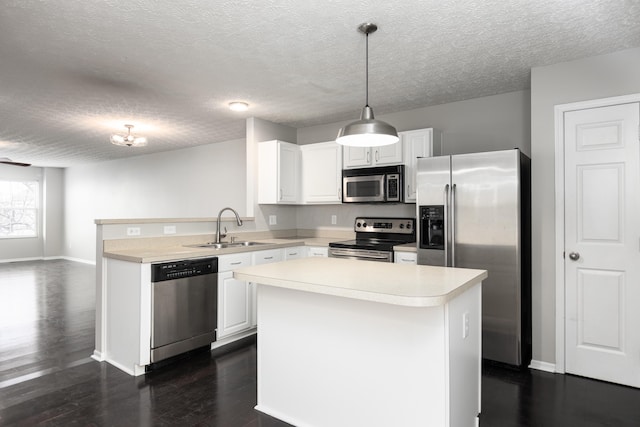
(366, 70)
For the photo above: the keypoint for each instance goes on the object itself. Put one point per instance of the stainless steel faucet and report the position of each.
(239, 221)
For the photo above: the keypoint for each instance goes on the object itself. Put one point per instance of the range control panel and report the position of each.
(385, 225)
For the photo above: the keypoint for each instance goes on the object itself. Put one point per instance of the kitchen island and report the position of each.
(345, 342)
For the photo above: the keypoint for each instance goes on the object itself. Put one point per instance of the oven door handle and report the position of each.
(358, 255)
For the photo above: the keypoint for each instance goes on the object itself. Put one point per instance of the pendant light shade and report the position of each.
(367, 132)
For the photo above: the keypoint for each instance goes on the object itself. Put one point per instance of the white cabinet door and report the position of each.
(405, 257)
(417, 143)
(322, 173)
(362, 157)
(387, 154)
(234, 313)
(356, 157)
(278, 172)
(318, 251)
(295, 252)
(234, 300)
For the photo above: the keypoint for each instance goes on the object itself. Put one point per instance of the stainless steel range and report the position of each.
(375, 239)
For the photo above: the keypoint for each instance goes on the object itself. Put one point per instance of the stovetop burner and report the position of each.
(380, 234)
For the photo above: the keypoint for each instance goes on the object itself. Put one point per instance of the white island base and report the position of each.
(337, 355)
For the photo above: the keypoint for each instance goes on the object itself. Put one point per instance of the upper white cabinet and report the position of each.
(278, 172)
(417, 143)
(362, 157)
(321, 173)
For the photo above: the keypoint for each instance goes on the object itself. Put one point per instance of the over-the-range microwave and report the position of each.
(373, 185)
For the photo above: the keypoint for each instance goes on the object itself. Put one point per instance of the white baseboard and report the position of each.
(84, 261)
(20, 259)
(97, 355)
(543, 366)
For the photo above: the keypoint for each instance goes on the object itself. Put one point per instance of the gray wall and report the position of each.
(490, 123)
(483, 124)
(188, 183)
(591, 78)
(48, 244)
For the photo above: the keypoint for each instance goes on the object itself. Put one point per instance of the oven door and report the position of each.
(366, 188)
(361, 254)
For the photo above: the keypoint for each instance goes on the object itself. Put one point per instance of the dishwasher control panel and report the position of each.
(183, 269)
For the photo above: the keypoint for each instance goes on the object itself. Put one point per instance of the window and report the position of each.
(18, 209)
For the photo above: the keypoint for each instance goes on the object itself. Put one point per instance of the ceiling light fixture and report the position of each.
(128, 139)
(238, 106)
(367, 132)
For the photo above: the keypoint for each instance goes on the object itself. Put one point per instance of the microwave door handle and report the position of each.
(446, 225)
(453, 225)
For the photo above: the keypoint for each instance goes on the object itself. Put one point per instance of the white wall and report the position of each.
(591, 78)
(189, 183)
(490, 123)
(48, 243)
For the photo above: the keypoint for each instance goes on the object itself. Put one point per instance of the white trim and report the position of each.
(559, 111)
(2, 261)
(83, 261)
(543, 366)
(97, 356)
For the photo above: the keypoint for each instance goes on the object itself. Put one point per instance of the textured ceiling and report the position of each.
(72, 72)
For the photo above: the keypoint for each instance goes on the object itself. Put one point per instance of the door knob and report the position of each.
(574, 256)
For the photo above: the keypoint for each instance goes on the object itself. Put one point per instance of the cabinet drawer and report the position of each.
(265, 257)
(233, 261)
(318, 251)
(295, 253)
(406, 257)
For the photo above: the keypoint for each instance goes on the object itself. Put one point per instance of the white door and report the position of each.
(289, 176)
(602, 243)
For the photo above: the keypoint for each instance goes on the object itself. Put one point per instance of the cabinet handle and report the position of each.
(281, 194)
(293, 253)
(236, 263)
(377, 155)
(268, 257)
(408, 189)
(369, 157)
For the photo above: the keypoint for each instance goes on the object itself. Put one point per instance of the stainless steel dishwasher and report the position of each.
(184, 305)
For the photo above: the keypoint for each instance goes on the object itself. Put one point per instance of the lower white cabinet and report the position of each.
(261, 257)
(405, 257)
(295, 252)
(234, 296)
(321, 251)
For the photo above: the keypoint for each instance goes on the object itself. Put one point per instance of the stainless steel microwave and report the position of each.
(373, 185)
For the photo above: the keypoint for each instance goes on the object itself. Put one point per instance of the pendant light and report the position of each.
(367, 132)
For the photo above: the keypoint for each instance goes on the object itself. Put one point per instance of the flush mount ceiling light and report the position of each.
(128, 139)
(238, 106)
(367, 132)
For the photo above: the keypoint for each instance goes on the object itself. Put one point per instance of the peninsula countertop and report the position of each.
(398, 284)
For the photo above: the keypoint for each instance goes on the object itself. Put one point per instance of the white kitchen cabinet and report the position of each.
(321, 173)
(278, 172)
(405, 257)
(261, 257)
(359, 157)
(321, 251)
(417, 143)
(295, 252)
(234, 296)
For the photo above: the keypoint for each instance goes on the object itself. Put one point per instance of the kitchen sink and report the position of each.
(224, 245)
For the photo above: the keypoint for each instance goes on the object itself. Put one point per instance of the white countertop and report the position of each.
(173, 253)
(398, 284)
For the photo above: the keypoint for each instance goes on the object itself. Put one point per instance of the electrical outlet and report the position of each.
(273, 220)
(465, 325)
(334, 219)
(133, 231)
(169, 229)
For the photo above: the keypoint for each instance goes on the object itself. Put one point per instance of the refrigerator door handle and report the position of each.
(446, 231)
(453, 225)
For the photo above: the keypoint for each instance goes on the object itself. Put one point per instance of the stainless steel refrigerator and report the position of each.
(474, 211)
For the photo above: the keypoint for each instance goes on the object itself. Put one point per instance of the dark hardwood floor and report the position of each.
(47, 377)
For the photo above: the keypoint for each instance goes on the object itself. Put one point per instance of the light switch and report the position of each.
(273, 220)
(334, 219)
(169, 229)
